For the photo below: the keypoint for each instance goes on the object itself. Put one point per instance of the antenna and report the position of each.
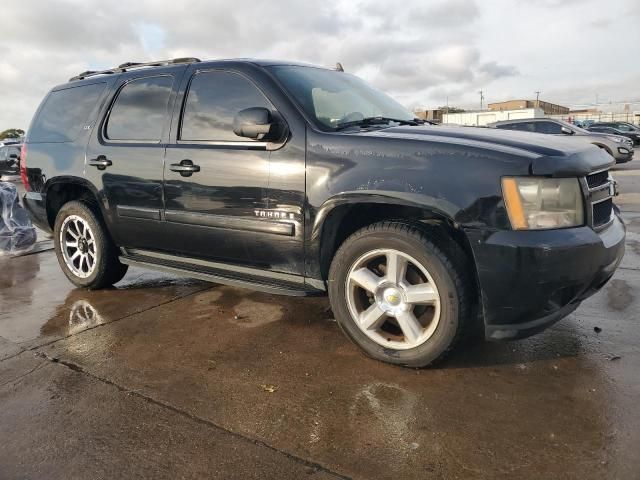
(537, 92)
(481, 98)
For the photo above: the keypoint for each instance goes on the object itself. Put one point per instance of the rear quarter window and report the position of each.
(64, 114)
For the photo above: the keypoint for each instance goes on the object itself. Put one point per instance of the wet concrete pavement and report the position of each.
(170, 378)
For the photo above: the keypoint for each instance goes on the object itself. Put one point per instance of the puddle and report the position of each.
(619, 294)
(38, 303)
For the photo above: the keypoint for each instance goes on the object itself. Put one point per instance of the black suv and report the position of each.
(300, 180)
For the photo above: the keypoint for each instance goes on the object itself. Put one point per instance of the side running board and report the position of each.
(237, 276)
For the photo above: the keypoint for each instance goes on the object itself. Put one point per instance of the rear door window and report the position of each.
(548, 128)
(65, 113)
(140, 110)
(520, 126)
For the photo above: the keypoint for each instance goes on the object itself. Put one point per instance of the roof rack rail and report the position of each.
(132, 65)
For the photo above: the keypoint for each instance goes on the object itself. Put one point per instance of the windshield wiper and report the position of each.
(368, 121)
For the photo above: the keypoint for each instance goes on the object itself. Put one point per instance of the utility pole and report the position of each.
(481, 98)
(537, 92)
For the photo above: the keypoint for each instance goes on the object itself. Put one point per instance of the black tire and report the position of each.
(107, 269)
(447, 265)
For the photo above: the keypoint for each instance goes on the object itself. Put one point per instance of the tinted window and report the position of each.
(64, 113)
(213, 100)
(548, 128)
(520, 126)
(529, 127)
(140, 110)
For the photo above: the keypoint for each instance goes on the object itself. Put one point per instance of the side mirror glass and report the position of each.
(567, 131)
(258, 123)
(14, 156)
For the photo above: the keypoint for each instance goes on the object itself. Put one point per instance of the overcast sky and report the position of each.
(420, 51)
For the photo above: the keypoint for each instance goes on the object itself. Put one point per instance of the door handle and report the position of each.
(101, 162)
(186, 168)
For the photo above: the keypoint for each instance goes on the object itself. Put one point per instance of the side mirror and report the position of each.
(567, 131)
(258, 123)
(14, 158)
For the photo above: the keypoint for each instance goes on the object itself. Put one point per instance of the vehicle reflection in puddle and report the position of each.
(36, 298)
(82, 316)
(391, 412)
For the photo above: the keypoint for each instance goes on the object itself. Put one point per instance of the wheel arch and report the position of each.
(344, 214)
(64, 189)
(604, 147)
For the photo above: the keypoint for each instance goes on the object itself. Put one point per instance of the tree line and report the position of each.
(11, 133)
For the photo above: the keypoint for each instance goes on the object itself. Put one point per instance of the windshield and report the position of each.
(623, 127)
(334, 99)
(574, 127)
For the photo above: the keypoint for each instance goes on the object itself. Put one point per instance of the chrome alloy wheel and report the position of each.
(78, 246)
(393, 299)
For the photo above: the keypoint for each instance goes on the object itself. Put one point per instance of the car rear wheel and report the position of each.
(398, 295)
(84, 249)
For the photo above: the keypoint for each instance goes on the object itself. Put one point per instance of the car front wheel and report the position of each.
(398, 294)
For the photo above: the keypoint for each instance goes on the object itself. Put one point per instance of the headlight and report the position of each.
(535, 203)
(615, 139)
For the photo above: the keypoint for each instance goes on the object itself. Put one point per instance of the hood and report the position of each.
(600, 134)
(549, 154)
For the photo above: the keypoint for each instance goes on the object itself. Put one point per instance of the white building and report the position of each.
(481, 118)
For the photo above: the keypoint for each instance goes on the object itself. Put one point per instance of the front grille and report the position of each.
(596, 179)
(599, 198)
(602, 212)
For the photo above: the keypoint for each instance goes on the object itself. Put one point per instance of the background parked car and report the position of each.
(623, 129)
(620, 147)
(623, 126)
(9, 159)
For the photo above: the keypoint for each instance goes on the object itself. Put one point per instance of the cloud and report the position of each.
(494, 70)
(420, 51)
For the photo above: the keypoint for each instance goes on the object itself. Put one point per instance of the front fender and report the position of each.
(438, 207)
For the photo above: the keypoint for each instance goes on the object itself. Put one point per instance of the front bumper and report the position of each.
(623, 153)
(531, 279)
